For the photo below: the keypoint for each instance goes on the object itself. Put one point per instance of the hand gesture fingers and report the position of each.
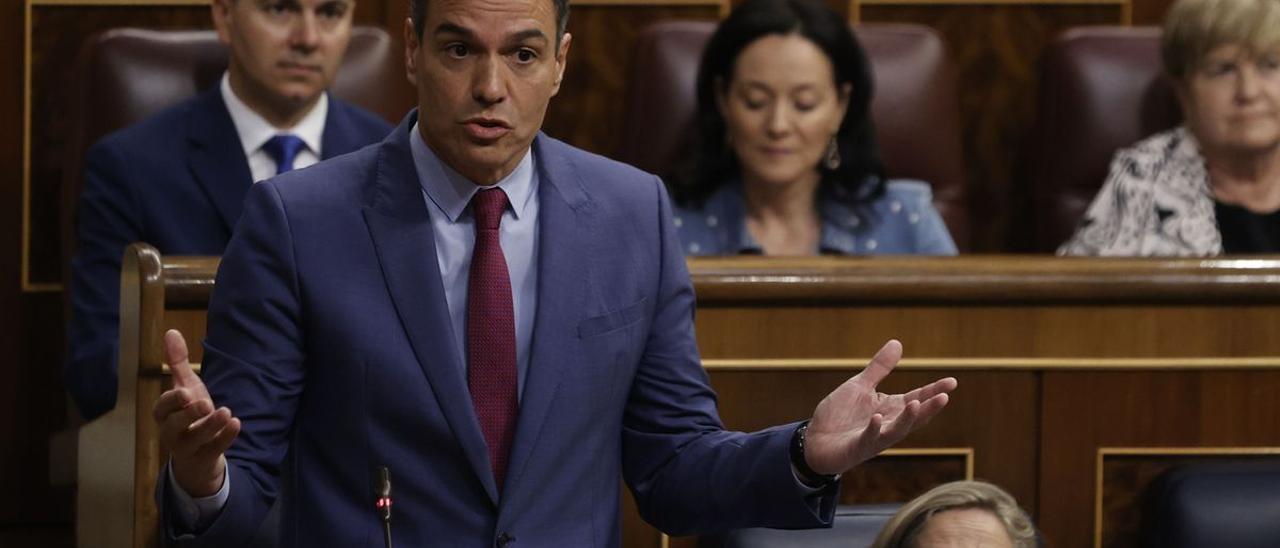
(940, 386)
(194, 431)
(176, 355)
(881, 365)
(855, 422)
(212, 434)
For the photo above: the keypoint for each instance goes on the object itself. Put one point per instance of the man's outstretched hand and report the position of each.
(855, 422)
(195, 432)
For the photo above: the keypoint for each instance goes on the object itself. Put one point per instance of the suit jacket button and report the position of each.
(504, 539)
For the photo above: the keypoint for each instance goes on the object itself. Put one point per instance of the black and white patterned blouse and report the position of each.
(1155, 202)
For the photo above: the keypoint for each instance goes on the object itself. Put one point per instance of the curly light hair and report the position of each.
(905, 526)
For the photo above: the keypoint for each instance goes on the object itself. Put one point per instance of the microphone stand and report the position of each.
(383, 502)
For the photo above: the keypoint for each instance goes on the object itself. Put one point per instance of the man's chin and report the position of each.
(485, 165)
(298, 95)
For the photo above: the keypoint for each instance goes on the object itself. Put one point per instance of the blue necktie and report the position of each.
(283, 149)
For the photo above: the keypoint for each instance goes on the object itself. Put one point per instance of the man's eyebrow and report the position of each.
(450, 28)
(531, 34)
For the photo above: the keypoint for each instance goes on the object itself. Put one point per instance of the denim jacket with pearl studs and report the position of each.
(902, 221)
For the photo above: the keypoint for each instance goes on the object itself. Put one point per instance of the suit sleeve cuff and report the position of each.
(194, 514)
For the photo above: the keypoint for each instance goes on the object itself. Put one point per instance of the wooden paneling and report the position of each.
(1048, 374)
(1089, 411)
(1041, 393)
(1125, 473)
(32, 513)
(1150, 12)
(588, 110)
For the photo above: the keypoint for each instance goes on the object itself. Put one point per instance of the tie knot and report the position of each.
(488, 205)
(283, 149)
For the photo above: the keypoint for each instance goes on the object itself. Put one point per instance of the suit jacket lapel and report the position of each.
(565, 225)
(216, 157)
(405, 243)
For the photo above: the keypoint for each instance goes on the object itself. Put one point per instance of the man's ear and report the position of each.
(562, 60)
(222, 19)
(411, 47)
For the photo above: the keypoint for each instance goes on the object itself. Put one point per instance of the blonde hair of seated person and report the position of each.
(1193, 28)
(906, 528)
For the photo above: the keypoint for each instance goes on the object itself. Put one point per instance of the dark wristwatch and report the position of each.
(807, 475)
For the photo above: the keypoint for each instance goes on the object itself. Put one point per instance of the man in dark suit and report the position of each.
(502, 321)
(178, 179)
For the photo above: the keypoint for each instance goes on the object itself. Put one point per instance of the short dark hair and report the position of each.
(712, 164)
(418, 11)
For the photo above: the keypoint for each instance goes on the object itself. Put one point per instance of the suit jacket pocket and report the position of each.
(612, 321)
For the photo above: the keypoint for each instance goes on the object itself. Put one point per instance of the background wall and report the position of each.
(996, 45)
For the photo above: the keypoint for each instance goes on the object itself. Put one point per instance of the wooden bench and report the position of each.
(119, 453)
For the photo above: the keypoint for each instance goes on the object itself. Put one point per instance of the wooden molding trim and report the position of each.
(1104, 452)
(966, 452)
(983, 278)
(1002, 364)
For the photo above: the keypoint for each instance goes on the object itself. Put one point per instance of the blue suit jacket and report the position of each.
(329, 337)
(176, 180)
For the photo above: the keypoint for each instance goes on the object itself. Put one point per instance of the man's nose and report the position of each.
(488, 86)
(305, 32)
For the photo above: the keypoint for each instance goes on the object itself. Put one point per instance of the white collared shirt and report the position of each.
(254, 131)
(448, 197)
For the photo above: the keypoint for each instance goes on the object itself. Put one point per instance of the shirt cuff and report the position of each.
(805, 488)
(195, 514)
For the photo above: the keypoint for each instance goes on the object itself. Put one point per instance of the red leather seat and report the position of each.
(914, 108)
(1102, 89)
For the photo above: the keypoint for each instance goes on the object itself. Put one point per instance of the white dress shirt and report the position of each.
(255, 131)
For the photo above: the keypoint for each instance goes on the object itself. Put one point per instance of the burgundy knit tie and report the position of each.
(491, 333)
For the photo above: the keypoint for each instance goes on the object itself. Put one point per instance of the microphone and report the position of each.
(383, 503)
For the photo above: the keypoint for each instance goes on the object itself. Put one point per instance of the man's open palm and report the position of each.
(855, 422)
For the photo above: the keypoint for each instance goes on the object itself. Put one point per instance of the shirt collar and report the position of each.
(451, 192)
(254, 130)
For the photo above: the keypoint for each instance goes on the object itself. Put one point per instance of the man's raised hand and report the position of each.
(195, 432)
(855, 422)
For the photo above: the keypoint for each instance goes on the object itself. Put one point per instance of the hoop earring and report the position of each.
(832, 158)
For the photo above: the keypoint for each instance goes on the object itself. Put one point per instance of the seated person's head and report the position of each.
(959, 514)
(1224, 59)
(783, 99)
(283, 53)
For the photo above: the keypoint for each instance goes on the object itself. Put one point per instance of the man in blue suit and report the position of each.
(502, 321)
(178, 179)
